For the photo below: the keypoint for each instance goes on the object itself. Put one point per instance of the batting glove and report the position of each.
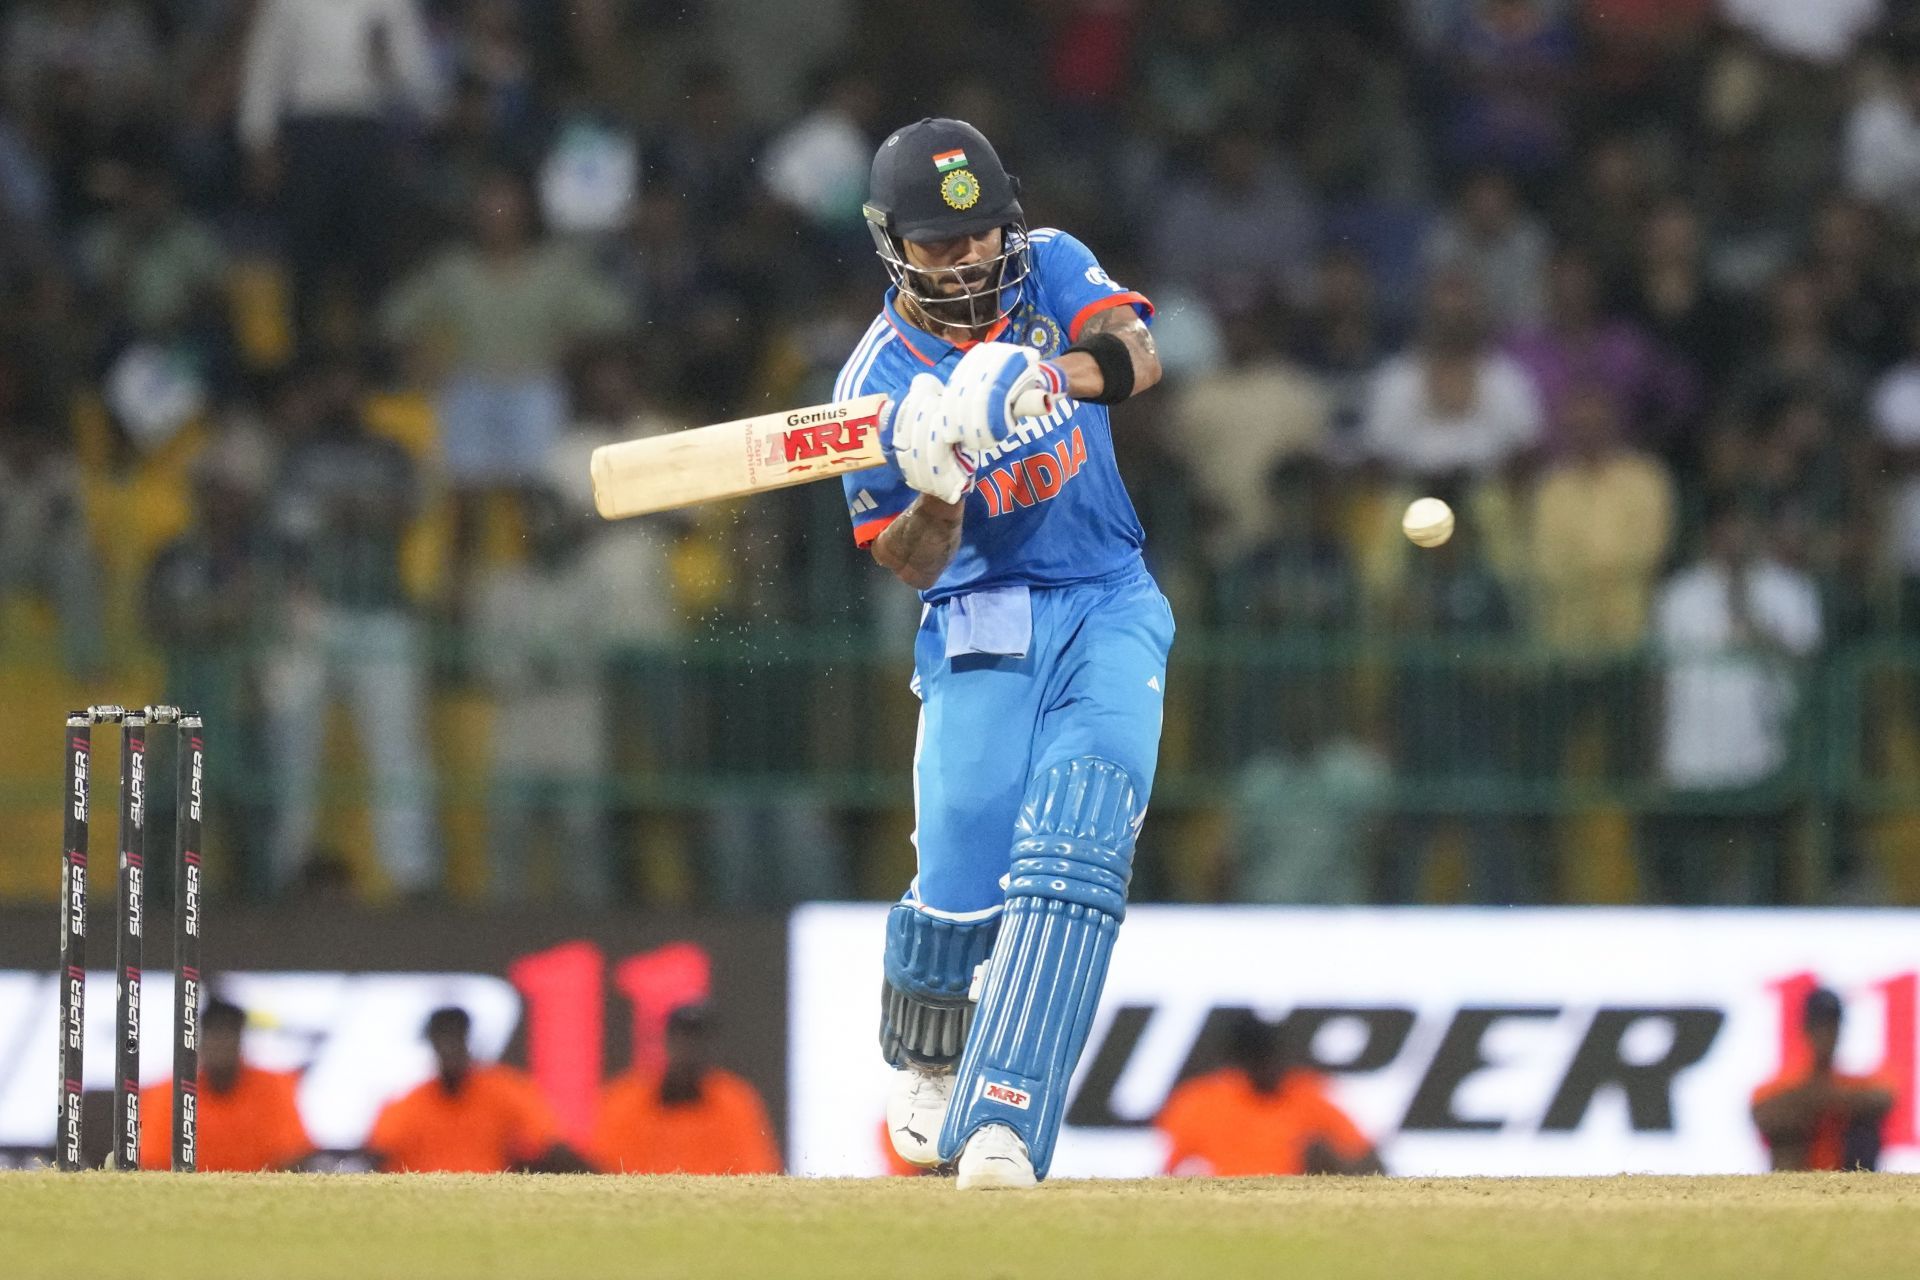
(995, 384)
(923, 445)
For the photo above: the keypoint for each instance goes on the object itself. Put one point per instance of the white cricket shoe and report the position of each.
(916, 1108)
(994, 1159)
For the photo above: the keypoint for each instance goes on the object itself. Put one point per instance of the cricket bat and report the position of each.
(752, 455)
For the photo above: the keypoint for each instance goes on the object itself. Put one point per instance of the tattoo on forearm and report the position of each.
(1125, 324)
(919, 544)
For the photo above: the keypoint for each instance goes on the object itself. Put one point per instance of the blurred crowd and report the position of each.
(1255, 1104)
(681, 1114)
(313, 309)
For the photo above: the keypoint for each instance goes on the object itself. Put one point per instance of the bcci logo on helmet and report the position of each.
(960, 189)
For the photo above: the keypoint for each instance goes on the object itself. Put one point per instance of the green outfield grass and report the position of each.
(345, 1227)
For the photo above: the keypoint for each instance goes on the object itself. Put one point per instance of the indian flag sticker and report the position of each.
(955, 159)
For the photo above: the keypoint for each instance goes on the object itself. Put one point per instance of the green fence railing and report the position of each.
(1462, 729)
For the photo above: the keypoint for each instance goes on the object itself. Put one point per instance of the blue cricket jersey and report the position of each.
(1048, 507)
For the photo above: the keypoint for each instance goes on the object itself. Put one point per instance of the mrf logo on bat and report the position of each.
(815, 434)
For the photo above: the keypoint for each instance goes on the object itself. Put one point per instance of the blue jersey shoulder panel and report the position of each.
(1048, 507)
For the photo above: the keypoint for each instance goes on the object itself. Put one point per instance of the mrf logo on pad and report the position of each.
(1006, 1095)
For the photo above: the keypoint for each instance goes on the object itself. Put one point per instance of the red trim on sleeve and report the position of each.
(866, 531)
(1098, 305)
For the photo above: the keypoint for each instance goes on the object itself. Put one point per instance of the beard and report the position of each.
(963, 298)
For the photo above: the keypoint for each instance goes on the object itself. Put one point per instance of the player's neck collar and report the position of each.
(930, 348)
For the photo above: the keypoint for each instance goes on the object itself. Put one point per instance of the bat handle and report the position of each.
(1031, 403)
(1034, 403)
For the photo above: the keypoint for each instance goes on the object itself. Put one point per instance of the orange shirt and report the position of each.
(497, 1120)
(1219, 1125)
(1827, 1148)
(726, 1131)
(252, 1127)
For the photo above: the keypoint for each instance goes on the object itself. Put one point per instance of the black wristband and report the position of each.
(1115, 359)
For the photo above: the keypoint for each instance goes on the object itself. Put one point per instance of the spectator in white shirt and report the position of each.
(1883, 145)
(1490, 234)
(1896, 425)
(492, 322)
(323, 79)
(818, 165)
(1452, 404)
(1733, 629)
(1818, 31)
(546, 642)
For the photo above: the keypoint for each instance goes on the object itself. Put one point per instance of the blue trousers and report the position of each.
(1090, 684)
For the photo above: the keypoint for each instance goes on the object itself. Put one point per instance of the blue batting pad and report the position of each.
(930, 959)
(1066, 896)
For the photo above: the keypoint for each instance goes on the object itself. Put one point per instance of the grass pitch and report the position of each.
(211, 1227)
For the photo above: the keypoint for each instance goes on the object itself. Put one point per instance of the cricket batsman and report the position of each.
(1041, 656)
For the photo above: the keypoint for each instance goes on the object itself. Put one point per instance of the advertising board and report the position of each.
(341, 996)
(1587, 1041)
